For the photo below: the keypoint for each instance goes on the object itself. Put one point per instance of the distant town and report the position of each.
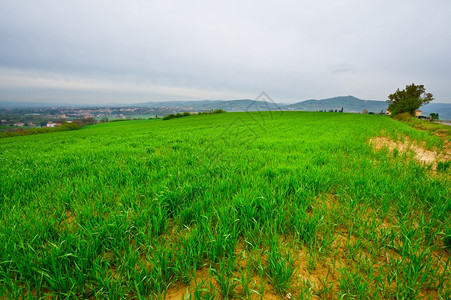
(54, 116)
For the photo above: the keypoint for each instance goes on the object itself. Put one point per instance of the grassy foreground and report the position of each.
(235, 205)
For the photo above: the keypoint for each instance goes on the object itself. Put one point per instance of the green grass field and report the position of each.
(237, 205)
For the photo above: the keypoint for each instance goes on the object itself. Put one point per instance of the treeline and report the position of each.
(65, 126)
(177, 115)
(20, 131)
(209, 112)
(88, 121)
(187, 114)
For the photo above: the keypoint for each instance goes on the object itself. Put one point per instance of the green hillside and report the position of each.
(234, 205)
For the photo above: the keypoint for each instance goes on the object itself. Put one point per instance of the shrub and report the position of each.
(177, 115)
(19, 132)
(404, 117)
(187, 114)
(68, 126)
(434, 116)
(209, 112)
(168, 117)
(119, 120)
(85, 121)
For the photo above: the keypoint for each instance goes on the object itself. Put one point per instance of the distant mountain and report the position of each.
(348, 103)
(442, 109)
(353, 104)
(228, 105)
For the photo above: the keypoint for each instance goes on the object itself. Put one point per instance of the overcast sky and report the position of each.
(106, 51)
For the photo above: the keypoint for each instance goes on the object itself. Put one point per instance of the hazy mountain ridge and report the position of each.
(348, 103)
(443, 109)
(229, 105)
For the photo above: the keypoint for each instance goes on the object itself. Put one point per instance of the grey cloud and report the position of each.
(341, 68)
(292, 49)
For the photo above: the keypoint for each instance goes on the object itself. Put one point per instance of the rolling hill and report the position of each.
(229, 105)
(348, 103)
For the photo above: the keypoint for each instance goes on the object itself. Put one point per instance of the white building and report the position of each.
(51, 124)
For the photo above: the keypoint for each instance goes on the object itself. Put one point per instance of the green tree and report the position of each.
(408, 100)
(434, 116)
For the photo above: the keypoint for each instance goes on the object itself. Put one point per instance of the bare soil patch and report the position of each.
(420, 152)
(69, 223)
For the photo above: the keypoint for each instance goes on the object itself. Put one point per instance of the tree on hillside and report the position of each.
(408, 100)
